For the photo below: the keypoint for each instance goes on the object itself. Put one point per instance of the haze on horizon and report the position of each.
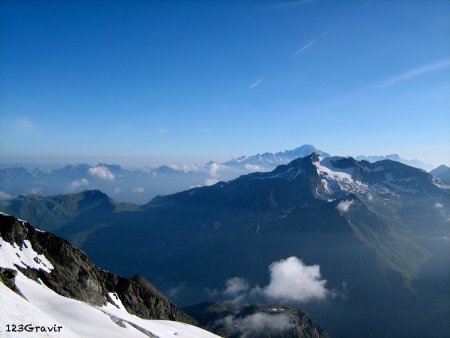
(171, 82)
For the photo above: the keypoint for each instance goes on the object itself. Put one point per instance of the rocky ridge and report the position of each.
(74, 275)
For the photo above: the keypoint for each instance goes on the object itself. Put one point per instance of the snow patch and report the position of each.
(440, 184)
(82, 320)
(116, 300)
(12, 255)
(336, 179)
(15, 309)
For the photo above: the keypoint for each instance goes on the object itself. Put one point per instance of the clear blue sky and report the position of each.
(197, 80)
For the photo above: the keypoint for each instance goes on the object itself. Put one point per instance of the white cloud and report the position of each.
(255, 84)
(253, 167)
(4, 196)
(138, 190)
(102, 173)
(343, 206)
(256, 324)
(237, 288)
(213, 169)
(305, 47)
(438, 205)
(416, 72)
(292, 280)
(78, 183)
(117, 190)
(211, 181)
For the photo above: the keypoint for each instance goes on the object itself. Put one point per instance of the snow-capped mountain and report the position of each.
(268, 161)
(378, 231)
(51, 289)
(139, 185)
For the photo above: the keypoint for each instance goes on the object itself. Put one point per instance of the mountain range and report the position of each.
(268, 161)
(366, 243)
(140, 185)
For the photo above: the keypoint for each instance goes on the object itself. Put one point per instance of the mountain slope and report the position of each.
(442, 172)
(61, 283)
(71, 214)
(377, 231)
(237, 320)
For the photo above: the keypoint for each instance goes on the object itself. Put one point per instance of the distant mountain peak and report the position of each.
(267, 160)
(395, 157)
(442, 172)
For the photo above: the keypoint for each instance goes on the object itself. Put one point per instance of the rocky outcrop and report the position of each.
(7, 277)
(74, 275)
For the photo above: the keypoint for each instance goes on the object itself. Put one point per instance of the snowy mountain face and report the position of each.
(385, 177)
(50, 289)
(336, 177)
(314, 178)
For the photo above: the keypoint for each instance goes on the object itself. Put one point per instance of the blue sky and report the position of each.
(172, 81)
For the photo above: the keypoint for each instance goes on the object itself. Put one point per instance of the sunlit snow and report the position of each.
(23, 256)
(44, 307)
